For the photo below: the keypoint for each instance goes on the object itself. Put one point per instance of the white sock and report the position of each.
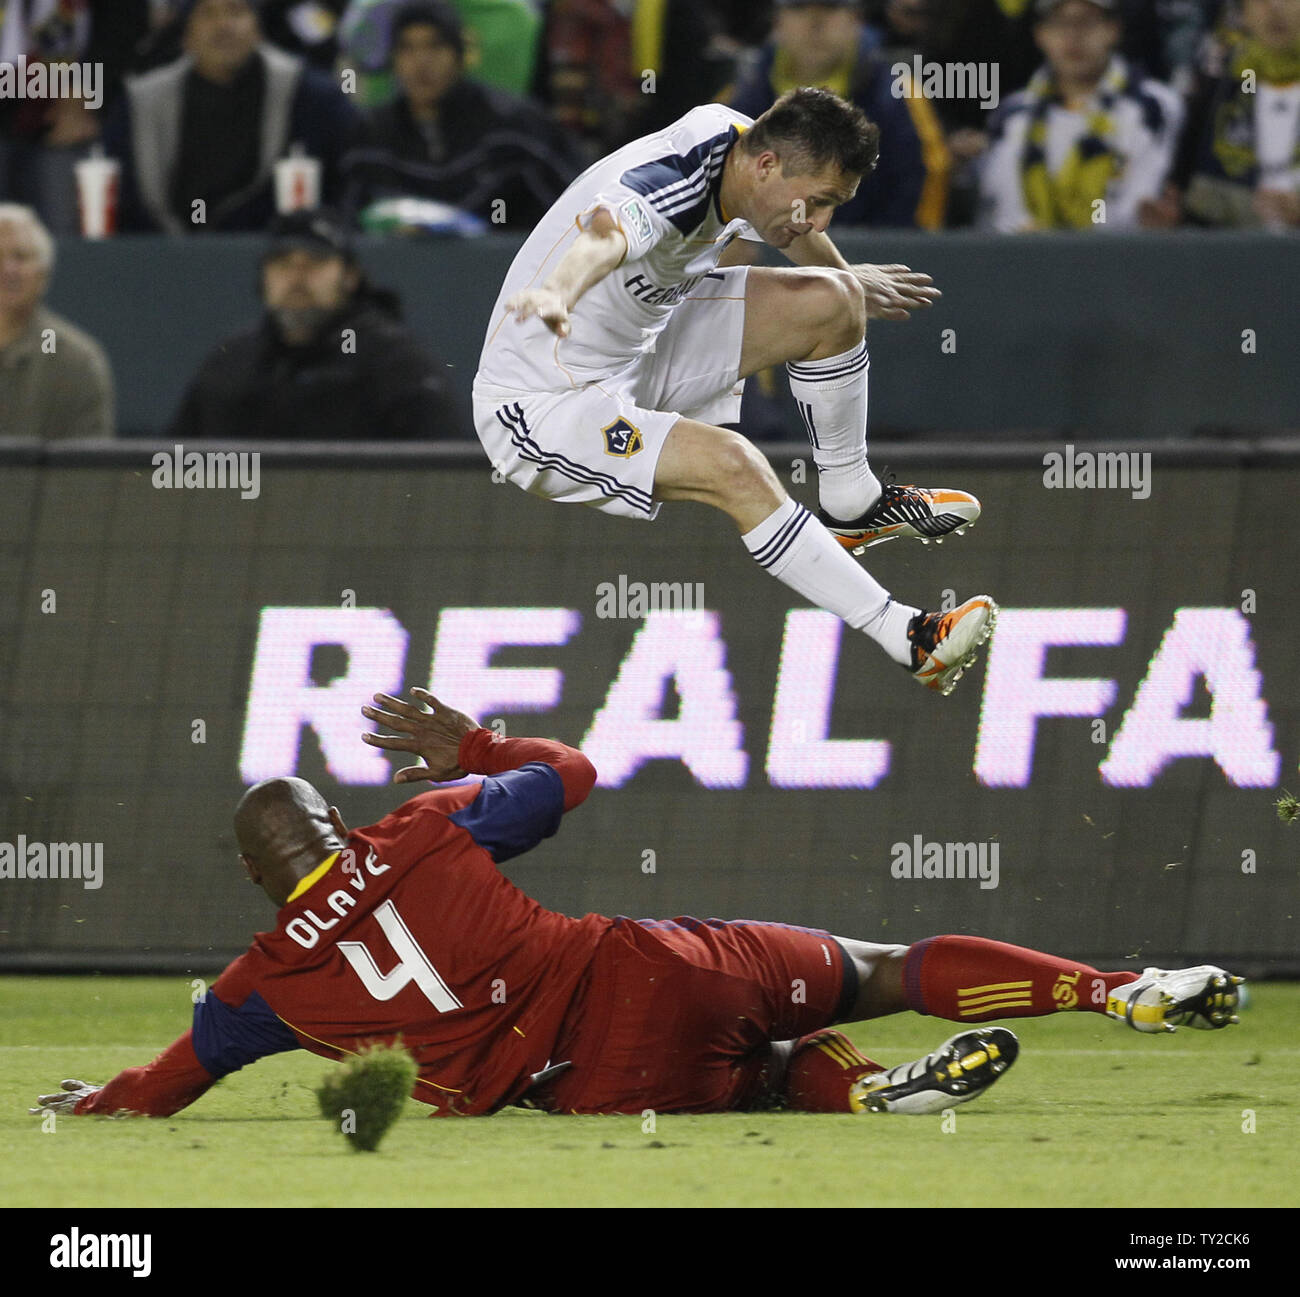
(796, 549)
(832, 398)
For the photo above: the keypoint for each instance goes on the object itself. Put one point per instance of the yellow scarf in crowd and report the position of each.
(1065, 200)
(1234, 116)
(839, 81)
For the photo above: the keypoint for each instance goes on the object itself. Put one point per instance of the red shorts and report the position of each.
(677, 1015)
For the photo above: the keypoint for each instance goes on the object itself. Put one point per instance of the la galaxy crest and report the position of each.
(621, 439)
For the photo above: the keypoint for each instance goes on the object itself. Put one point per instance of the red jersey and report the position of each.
(411, 931)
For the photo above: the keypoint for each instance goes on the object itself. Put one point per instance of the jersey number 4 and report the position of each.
(412, 964)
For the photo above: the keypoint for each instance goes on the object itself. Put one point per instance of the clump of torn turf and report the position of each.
(363, 1096)
(1287, 808)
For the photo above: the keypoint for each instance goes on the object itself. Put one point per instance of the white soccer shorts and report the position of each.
(599, 444)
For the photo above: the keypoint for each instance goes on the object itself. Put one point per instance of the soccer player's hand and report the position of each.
(545, 303)
(433, 735)
(894, 292)
(67, 1099)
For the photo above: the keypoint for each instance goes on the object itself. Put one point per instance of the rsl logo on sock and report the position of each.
(1065, 991)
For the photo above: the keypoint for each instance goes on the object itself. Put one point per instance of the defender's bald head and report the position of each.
(285, 828)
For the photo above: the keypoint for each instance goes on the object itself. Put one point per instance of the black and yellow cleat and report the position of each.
(1164, 999)
(960, 1070)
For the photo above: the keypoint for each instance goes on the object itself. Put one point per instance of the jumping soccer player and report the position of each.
(619, 343)
(407, 929)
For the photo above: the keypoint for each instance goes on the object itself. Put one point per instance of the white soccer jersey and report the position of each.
(663, 191)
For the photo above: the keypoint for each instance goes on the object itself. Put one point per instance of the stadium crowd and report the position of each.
(442, 116)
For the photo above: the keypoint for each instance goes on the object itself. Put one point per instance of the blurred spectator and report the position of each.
(1240, 159)
(827, 45)
(1164, 37)
(451, 140)
(501, 44)
(198, 138)
(309, 28)
(124, 35)
(1089, 140)
(980, 35)
(42, 139)
(329, 361)
(145, 34)
(617, 69)
(55, 380)
(589, 82)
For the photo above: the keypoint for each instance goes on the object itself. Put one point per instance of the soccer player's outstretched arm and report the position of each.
(531, 782)
(600, 248)
(232, 1027)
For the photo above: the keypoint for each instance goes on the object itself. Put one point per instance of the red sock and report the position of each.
(971, 979)
(822, 1070)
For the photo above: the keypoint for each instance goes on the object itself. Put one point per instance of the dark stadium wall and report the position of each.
(1101, 784)
(1123, 336)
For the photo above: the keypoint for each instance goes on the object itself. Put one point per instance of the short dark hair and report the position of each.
(439, 14)
(809, 129)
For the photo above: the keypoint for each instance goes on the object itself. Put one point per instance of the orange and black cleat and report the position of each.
(925, 513)
(944, 643)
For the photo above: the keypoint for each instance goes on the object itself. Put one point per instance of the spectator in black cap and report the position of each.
(452, 140)
(329, 361)
(199, 137)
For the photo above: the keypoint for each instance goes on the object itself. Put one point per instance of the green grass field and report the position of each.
(1092, 1114)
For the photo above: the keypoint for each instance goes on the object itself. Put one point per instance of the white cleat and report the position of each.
(961, 1069)
(1204, 997)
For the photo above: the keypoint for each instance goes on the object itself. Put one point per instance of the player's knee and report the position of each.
(848, 305)
(831, 307)
(739, 467)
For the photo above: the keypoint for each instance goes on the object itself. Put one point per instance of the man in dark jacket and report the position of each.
(330, 361)
(452, 140)
(198, 139)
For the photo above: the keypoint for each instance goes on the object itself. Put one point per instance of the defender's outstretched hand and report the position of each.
(893, 292)
(71, 1094)
(434, 735)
